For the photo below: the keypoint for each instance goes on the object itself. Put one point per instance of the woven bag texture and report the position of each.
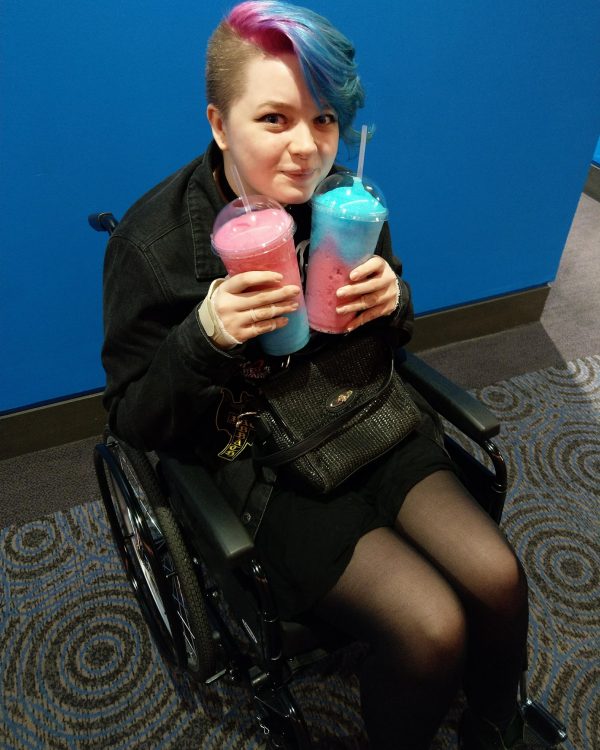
(315, 390)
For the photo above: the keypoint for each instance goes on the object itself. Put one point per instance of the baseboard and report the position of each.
(478, 319)
(78, 418)
(53, 424)
(592, 185)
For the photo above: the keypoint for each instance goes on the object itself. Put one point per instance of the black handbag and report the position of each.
(333, 410)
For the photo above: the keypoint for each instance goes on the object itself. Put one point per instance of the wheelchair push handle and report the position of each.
(103, 222)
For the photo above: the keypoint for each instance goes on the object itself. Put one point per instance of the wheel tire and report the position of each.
(200, 645)
(156, 561)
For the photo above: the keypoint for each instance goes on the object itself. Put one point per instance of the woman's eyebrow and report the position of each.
(272, 104)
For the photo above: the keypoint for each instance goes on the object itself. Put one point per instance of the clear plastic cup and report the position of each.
(257, 234)
(348, 213)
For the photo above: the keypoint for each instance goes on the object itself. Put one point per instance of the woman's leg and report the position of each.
(446, 525)
(390, 596)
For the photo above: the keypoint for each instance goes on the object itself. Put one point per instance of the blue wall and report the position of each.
(487, 116)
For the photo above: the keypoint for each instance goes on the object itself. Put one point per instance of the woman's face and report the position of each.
(281, 142)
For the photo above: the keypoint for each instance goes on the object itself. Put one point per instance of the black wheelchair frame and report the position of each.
(202, 589)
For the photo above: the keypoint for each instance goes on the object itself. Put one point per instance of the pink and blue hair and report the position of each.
(325, 55)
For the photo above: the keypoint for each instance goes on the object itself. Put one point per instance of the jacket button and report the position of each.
(246, 518)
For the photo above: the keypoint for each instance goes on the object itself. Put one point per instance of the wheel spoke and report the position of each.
(183, 616)
(155, 556)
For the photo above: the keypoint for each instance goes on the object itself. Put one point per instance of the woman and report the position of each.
(398, 555)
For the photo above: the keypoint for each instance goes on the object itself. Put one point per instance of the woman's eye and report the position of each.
(327, 118)
(273, 118)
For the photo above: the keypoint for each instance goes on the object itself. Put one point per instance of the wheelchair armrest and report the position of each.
(451, 401)
(206, 512)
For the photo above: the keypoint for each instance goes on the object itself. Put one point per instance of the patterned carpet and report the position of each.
(551, 440)
(78, 669)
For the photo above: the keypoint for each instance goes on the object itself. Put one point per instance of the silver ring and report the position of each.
(253, 315)
(365, 305)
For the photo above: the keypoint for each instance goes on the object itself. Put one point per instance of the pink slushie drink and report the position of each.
(261, 239)
(347, 215)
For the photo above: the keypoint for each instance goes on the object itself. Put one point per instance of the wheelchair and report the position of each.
(200, 584)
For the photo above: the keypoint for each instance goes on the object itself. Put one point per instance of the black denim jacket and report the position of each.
(165, 379)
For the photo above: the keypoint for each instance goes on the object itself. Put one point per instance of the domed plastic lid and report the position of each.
(350, 197)
(261, 223)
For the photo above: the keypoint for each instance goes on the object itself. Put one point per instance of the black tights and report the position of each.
(442, 601)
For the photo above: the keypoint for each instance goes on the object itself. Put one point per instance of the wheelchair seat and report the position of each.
(199, 581)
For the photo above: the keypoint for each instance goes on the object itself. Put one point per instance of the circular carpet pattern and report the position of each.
(78, 668)
(551, 440)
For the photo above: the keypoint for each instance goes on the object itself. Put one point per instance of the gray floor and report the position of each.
(46, 481)
(567, 330)
(61, 477)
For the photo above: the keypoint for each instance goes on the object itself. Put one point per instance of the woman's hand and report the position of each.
(251, 303)
(372, 292)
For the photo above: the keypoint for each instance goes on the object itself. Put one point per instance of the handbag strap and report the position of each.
(292, 452)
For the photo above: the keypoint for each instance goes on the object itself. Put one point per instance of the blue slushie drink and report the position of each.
(347, 216)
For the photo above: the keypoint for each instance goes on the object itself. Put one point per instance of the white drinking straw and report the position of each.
(240, 187)
(361, 152)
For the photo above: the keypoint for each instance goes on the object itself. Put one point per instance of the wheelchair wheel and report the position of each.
(156, 559)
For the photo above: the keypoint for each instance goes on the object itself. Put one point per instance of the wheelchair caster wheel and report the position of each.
(281, 723)
(155, 559)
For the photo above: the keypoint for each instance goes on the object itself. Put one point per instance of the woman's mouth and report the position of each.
(300, 175)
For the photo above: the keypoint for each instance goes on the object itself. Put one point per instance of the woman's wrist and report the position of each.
(399, 297)
(211, 323)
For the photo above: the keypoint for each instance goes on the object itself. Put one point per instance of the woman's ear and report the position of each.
(217, 125)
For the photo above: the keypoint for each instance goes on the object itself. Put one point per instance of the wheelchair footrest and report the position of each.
(541, 728)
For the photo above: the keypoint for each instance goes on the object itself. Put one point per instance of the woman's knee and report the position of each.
(443, 637)
(392, 597)
(432, 639)
(506, 589)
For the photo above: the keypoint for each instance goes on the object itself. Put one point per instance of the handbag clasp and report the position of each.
(341, 398)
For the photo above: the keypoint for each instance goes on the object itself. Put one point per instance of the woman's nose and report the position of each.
(303, 140)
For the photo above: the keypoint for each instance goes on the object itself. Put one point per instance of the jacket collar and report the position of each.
(204, 201)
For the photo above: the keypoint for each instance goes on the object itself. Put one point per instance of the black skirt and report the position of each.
(306, 541)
